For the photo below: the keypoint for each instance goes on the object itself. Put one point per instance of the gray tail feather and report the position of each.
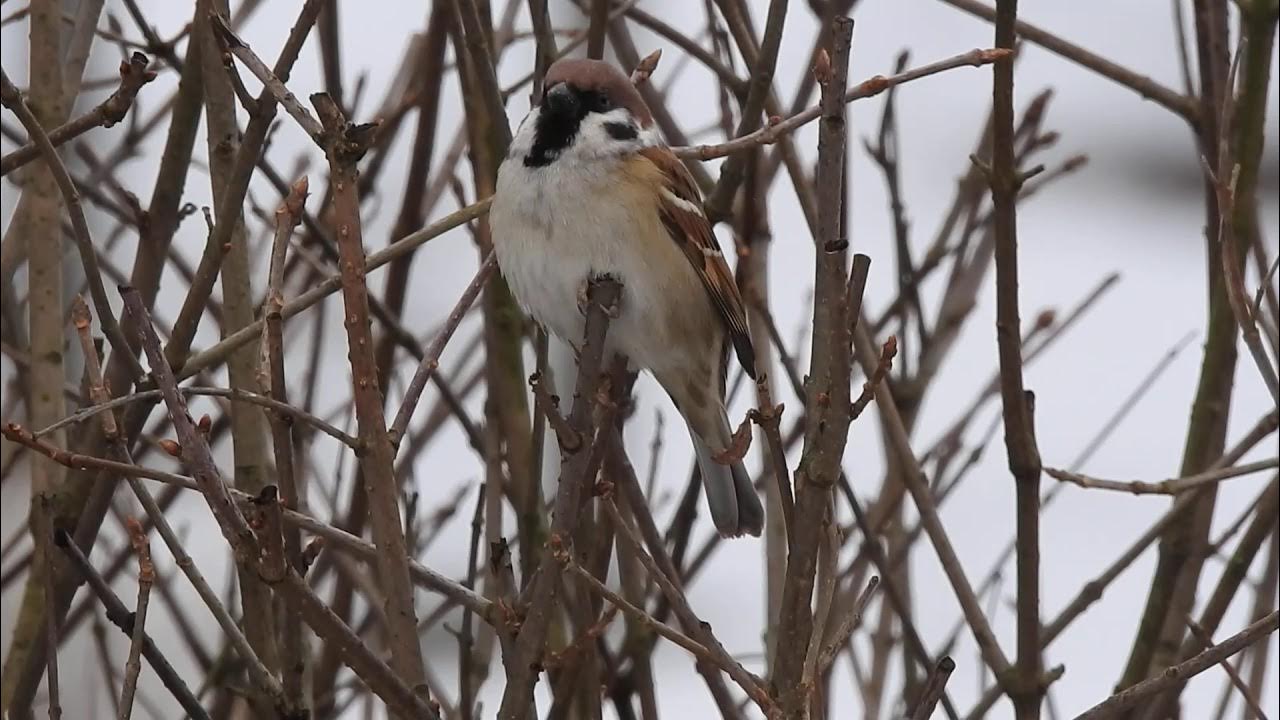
(735, 506)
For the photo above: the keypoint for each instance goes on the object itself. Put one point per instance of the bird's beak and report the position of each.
(561, 99)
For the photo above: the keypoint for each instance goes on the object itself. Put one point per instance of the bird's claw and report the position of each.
(612, 310)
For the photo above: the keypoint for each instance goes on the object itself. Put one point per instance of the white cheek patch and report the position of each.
(595, 141)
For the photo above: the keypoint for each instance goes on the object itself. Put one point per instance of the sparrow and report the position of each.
(589, 188)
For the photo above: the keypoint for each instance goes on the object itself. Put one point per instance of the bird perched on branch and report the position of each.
(588, 188)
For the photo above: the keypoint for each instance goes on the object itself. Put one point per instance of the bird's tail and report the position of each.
(735, 506)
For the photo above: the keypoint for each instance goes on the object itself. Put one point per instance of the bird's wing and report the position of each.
(686, 222)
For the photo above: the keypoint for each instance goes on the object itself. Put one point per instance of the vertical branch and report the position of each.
(40, 230)
(545, 40)
(506, 407)
(410, 218)
(1181, 557)
(293, 646)
(87, 499)
(248, 424)
(344, 146)
(827, 388)
(1239, 173)
(146, 578)
(578, 467)
(754, 238)
(595, 30)
(43, 527)
(764, 61)
(1263, 601)
(119, 448)
(1019, 430)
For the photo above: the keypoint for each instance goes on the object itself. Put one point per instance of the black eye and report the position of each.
(602, 103)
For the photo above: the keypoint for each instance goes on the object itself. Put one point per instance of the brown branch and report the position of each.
(293, 644)
(918, 486)
(644, 618)
(567, 437)
(933, 689)
(841, 636)
(235, 187)
(381, 679)
(195, 452)
(769, 416)
(1173, 486)
(43, 529)
(667, 576)
(752, 685)
(87, 413)
(898, 602)
(122, 617)
(1172, 100)
(763, 59)
(523, 661)
(827, 390)
(218, 353)
(79, 225)
(1018, 402)
(770, 133)
(1206, 640)
(133, 75)
(598, 23)
(883, 366)
(91, 500)
(118, 446)
(344, 145)
(1180, 560)
(333, 535)
(1180, 673)
(146, 578)
(245, 54)
(431, 357)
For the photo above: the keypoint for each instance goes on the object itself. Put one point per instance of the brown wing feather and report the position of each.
(692, 232)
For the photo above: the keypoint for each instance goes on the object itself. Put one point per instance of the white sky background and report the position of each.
(1135, 208)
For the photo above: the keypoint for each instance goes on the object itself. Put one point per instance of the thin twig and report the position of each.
(1017, 402)
(344, 145)
(933, 689)
(431, 356)
(121, 617)
(133, 75)
(1180, 673)
(42, 508)
(1205, 639)
(1172, 100)
(85, 414)
(146, 578)
(770, 133)
(1173, 486)
(79, 226)
(272, 84)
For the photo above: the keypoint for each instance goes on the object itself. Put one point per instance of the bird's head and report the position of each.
(589, 110)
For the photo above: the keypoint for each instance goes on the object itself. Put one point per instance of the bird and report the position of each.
(588, 188)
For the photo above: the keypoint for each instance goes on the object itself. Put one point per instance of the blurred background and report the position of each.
(1135, 209)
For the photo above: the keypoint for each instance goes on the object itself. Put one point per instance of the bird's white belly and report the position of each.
(550, 242)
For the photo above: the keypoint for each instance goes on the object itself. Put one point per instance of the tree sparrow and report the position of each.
(588, 188)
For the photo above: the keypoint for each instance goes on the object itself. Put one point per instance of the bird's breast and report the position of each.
(554, 229)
